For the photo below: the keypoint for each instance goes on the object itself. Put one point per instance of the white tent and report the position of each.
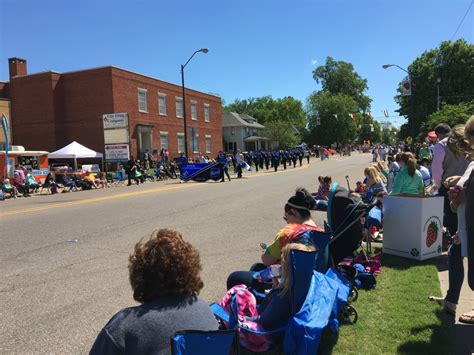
(74, 151)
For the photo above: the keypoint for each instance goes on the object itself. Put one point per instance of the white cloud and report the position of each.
(314, 62)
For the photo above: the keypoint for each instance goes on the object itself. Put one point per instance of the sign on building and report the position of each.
(117, 152)
(116, 137)
(115, 120)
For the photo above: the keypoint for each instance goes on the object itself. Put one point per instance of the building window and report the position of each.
(164, 140)
(194, 110)
(180, 142)
(142, 100)
(162, 104)
(232, 130)
(207, 113)
(179, 107)
(195, 143)
(208, 144)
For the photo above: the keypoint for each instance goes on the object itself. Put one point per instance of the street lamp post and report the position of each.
(412, 98)
(203, 50)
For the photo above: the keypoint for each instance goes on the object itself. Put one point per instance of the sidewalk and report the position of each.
(463, 334)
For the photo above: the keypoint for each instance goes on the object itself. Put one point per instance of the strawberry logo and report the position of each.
(431, 233)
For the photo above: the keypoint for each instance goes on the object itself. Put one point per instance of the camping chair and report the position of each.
(118, 178)
(196, 342)
(314, 302)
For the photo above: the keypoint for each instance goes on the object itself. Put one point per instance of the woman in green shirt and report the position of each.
(425, 152)
(409, 180)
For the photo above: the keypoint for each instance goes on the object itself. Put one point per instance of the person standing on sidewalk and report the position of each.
(460, 144)
(469, 316)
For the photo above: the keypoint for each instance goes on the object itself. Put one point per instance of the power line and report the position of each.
(464, 17)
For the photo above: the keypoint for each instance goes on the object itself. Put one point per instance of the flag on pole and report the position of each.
(335, 115)
(246, 166)
(385, 113)
(406, 86)
(5, 132)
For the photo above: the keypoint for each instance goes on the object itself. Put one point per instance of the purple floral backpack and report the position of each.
(248, 314)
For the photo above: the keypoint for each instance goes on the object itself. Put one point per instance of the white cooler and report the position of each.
(413, 226)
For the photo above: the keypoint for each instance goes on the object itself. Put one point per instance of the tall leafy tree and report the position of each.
(282, 132)
(453, 64)
(339, 77)
(281, 114)
(450, 114)
(334, 125)
(342, 92)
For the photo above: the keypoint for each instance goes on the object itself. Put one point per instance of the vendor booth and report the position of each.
(74, 151)
(413, 226)
(32, 160)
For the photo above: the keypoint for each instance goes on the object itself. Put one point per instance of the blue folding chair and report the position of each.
(313, 297)
(196, 342)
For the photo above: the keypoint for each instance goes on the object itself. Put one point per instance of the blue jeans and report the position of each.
(456, 273)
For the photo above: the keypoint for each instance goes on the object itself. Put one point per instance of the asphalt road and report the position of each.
(55, 295)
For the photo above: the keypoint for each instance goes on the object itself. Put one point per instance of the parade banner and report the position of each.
(200, 172)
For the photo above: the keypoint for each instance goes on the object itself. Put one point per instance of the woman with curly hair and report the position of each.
(165, 279)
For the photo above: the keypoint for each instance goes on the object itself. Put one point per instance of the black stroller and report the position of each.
(344, 214)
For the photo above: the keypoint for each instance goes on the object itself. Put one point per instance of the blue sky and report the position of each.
(256, 48)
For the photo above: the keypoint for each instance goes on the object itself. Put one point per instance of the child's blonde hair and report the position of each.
(286, 263)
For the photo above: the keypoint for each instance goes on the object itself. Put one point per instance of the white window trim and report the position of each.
(180, 135)
(208, 106)
(205, 143)
(164, 133)
(141, 90)
(160, 95)
(193, 102)
(177, 98)
(196, 136)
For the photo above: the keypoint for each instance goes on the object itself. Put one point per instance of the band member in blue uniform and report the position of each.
(223, 165)
(275, 159)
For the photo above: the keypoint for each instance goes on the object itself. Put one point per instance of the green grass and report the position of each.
(397, 317)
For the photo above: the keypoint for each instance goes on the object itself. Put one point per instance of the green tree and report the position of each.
(338, 77)
(341, 129)
(453, 64)
(342, 93)
(283, 133)
(369, 129)
(450, 114)
(287, 110)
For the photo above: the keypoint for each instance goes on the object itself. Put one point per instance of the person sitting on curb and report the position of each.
(32, 183)
(9, 189)
(164, 272)
(297, 215)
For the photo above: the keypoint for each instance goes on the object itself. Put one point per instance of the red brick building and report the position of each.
(50, 110)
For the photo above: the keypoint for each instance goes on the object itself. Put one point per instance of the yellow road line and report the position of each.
(121, 195)
(95, 199)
